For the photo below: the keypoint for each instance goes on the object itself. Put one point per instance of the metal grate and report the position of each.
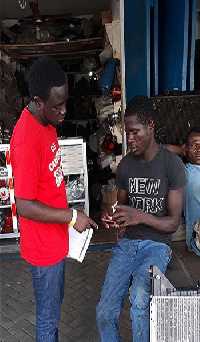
(175, 319)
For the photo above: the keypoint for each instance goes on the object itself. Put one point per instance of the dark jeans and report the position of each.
(48, 285)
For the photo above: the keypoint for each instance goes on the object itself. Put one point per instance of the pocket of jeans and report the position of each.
(37, 271)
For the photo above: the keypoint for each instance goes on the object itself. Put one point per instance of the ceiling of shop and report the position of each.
(11, 8)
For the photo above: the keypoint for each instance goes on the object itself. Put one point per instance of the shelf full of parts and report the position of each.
(9, 227)
(76, 184)
(89, 53)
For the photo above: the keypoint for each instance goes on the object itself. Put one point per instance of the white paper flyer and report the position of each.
(78, 243)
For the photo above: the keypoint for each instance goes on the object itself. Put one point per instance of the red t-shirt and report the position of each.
(36, 163)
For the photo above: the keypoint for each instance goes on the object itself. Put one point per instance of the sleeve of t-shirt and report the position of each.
(176, 173)
(120, 177)
(27, 161)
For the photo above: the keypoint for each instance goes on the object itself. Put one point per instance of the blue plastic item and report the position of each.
(108, 74)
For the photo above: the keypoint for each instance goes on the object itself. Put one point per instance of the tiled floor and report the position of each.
(83, 287)
(82, 292)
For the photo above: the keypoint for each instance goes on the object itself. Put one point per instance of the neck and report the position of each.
(33, 110)
(150, 153)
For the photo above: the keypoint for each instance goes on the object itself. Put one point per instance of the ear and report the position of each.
(151, 125)
(39, 103)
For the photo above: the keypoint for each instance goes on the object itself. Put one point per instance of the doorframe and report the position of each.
(122, 68)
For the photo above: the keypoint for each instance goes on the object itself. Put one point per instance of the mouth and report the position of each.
(60, 120)
(133, 148)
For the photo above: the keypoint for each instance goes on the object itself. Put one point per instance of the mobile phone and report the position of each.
(107, 220)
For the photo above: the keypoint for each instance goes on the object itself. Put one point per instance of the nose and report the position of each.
(63, 109)
(131, 136)
(198, 147)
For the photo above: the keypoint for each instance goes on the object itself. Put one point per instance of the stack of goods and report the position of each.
(10, 100)
(75, 189)
(4, 192)
(6, 224)
(1, 132)
(49, 28)
(5, 134)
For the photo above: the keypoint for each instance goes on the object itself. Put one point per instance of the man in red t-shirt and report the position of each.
(40, 193)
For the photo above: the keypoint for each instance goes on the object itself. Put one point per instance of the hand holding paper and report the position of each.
(80, 234)
(84, 222)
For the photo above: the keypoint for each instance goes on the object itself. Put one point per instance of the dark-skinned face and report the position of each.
(138, 135)
(193, 148)
(54, 109)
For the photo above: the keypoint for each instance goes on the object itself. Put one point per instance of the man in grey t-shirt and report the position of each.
(150, 182)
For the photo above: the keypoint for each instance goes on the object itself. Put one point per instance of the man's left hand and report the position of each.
(126, 215)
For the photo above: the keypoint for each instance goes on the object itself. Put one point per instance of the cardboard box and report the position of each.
(106, 14)
(106, 17)
(106, 21)
(110, 197)
(180, 234)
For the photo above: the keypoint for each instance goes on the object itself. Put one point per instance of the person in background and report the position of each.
(150, 181)
(40, 193)
(191, 207)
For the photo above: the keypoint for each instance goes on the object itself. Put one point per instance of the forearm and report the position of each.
(122, 197)
(165, 224)
(38, 211)
(126, 215)
(179, 150)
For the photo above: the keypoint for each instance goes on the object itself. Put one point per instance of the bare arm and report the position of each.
(127, 215)
(40, 212)
(179, 150)
(122, 197)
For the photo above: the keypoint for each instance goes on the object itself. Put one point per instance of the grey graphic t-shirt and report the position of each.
(147, 186)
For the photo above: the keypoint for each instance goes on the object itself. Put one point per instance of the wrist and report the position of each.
(74, 217)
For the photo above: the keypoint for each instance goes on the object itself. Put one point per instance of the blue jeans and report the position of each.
(129, 265)
(48, 285)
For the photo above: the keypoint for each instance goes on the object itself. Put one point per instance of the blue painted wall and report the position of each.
(173, 44)
(137, 47)
(159, 46)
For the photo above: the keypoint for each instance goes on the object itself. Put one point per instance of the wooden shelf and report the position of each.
(72, 49)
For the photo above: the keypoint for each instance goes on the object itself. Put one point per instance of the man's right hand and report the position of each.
(84, 222)
(107, 219)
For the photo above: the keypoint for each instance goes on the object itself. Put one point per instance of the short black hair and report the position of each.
(44, 74)
(142, 107)
(195, 129)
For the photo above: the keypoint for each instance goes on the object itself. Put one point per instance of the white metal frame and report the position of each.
(78, 142)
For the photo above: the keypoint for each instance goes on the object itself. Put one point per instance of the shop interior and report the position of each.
(85, 39)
